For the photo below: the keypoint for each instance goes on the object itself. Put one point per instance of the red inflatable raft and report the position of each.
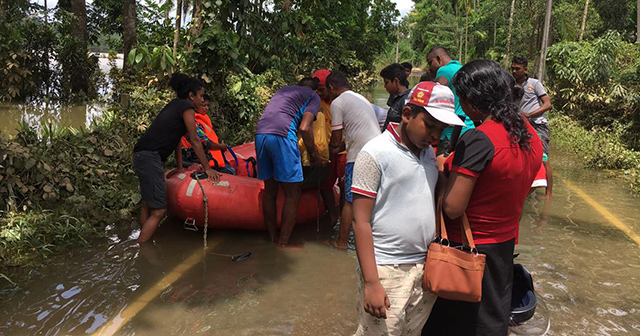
(236, 201)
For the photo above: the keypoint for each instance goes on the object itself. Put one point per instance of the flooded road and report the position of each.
(586, 271)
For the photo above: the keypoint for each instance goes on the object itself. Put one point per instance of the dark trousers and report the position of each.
(489, 317)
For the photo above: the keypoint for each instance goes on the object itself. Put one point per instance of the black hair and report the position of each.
(309, 82)
(407, 65)
(183, 85)
(338, 80)
(520, 60)
(206, 97)
(426, 77)
(518, 92)
(488, 87)
(393, 71)
(415, 110)
(438, 49)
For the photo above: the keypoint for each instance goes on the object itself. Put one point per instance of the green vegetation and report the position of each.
(597, 83)
(599, 148)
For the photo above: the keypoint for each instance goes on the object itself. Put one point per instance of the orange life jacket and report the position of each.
(205, 121)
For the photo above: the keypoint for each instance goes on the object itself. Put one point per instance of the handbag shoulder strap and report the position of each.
(441, 230)
(467, 232)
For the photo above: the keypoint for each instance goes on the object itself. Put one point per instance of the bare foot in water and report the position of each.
(337, 245)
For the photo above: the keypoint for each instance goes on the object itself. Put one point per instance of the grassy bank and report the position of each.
(600, 148)
(60, 187)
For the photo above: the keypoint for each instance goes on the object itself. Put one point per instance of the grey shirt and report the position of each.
(403, 186)
(531, 100)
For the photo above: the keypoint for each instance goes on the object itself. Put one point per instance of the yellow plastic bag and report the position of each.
(320, 139)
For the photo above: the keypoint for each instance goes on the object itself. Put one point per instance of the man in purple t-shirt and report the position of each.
(278, 156)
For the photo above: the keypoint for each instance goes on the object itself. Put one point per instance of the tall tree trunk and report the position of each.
(129, 34)
(466, 38)
(545, 42)
(176, 34)
(638, 23)
(79, 9)
(458, 31)
(507, 57)
(397, 43)
(584, 20)
(46, 13)
(196, 23)
(495, 31)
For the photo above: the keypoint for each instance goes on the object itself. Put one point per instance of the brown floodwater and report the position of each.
(586, 273)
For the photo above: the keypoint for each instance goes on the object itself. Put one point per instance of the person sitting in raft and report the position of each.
(161, 138)
(214, 148)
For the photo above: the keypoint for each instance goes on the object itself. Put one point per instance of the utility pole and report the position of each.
(545, 42)
(584, 20)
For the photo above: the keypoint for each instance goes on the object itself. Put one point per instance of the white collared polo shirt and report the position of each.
(403, 185)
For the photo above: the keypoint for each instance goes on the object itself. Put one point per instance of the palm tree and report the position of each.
(507, 57)
(545, 41)
(584, 20)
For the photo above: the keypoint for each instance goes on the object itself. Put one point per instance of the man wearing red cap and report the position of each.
(394, 181)
(326, 189)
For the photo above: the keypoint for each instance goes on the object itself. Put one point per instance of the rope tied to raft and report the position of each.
(206, 210)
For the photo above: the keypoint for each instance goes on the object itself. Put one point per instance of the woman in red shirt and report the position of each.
(490, 174)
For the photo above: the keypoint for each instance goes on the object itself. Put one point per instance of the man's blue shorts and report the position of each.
(278, 158)
(348, 181)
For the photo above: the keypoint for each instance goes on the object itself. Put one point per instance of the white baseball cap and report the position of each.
(438, 100)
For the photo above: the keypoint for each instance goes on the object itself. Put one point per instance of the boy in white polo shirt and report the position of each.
(394, 182)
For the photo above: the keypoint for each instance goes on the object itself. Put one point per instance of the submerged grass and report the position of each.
(27, 238)
(600, 148)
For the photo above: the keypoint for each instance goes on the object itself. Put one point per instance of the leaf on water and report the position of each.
(69, 187)
(108, 152)
(136, 198)
(47, 188)
(46, 167)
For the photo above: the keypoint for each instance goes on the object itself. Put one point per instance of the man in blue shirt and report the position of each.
(443, 68)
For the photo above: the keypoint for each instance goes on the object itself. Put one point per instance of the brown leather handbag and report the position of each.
(453, 273)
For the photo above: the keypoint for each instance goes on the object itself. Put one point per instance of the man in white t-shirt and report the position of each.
(394, 184)
(352, 118)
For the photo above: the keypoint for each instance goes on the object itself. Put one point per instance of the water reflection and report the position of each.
(40, 115)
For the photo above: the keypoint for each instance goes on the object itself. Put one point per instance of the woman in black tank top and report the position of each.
(161, 138)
